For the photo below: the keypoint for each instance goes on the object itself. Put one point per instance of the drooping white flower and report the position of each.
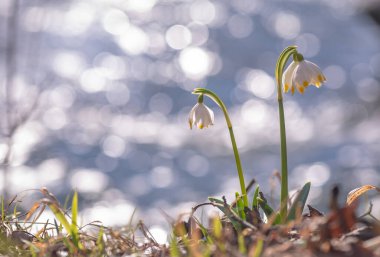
(301, 74)
(201, 116)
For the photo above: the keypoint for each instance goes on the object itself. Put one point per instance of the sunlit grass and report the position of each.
(236, 231)
(63, 236)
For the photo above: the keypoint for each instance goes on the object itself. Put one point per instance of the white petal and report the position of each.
(317, 76)
(287, 76)
(302, 76)
(191, 116)
(211, 115)
(203, 116)
(207, 116)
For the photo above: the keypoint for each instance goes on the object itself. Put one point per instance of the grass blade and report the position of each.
(59, 215)
(100, 241)
(74, 220)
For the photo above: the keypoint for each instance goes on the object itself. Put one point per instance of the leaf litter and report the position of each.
(337, 233)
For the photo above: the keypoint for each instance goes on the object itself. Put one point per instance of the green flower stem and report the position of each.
(284, 164)
(219, 102)
(281, 62)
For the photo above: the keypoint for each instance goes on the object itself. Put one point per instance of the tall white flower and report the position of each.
(201, 116)
(300, 74)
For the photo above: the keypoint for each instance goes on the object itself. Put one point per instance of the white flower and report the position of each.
(201, 116)
(300, 75)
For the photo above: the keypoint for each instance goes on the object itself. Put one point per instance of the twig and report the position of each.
(250, 185)
(147, 233)
(369, 213)
(200, 205)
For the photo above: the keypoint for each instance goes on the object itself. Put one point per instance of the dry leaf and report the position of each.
(32, 210)
(354, 194)
(313, 212)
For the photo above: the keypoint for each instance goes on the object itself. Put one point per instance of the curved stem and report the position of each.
(281, 62)
(219, 102)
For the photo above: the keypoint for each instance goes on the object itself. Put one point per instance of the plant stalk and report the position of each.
(219, 102)
(239, 168)
(284, 163)
(281, 62)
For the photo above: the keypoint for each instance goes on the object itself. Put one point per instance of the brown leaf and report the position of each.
(32, 210)
(354, 194)
(314, 212)
(39, 213)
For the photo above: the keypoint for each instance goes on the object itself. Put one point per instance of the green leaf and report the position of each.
(269, 211)
(258, 248)
(100, 242)
(240, 206)
(59, 215)
(204, 231)
(220, 206)
(277, 219)
(217, 227)
(241, 244)
(299, 202)
(174, 248)
(255, 203)
(74, 219)
(15, 210)
(266, 208)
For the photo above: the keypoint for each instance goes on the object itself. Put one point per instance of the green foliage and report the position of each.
(275, 218)
(58, 213)
(226, 211)
(240, 206)
(299, 202)
(100, 241)
(173, 247)
(265, 207)
(260, 203)
(74, 220)
(241, 244)
(258, 248)
(255, 202)
(217, 227)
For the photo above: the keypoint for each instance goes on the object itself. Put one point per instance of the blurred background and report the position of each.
(96, 95)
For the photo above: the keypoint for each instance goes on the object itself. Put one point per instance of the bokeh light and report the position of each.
(100, 95)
